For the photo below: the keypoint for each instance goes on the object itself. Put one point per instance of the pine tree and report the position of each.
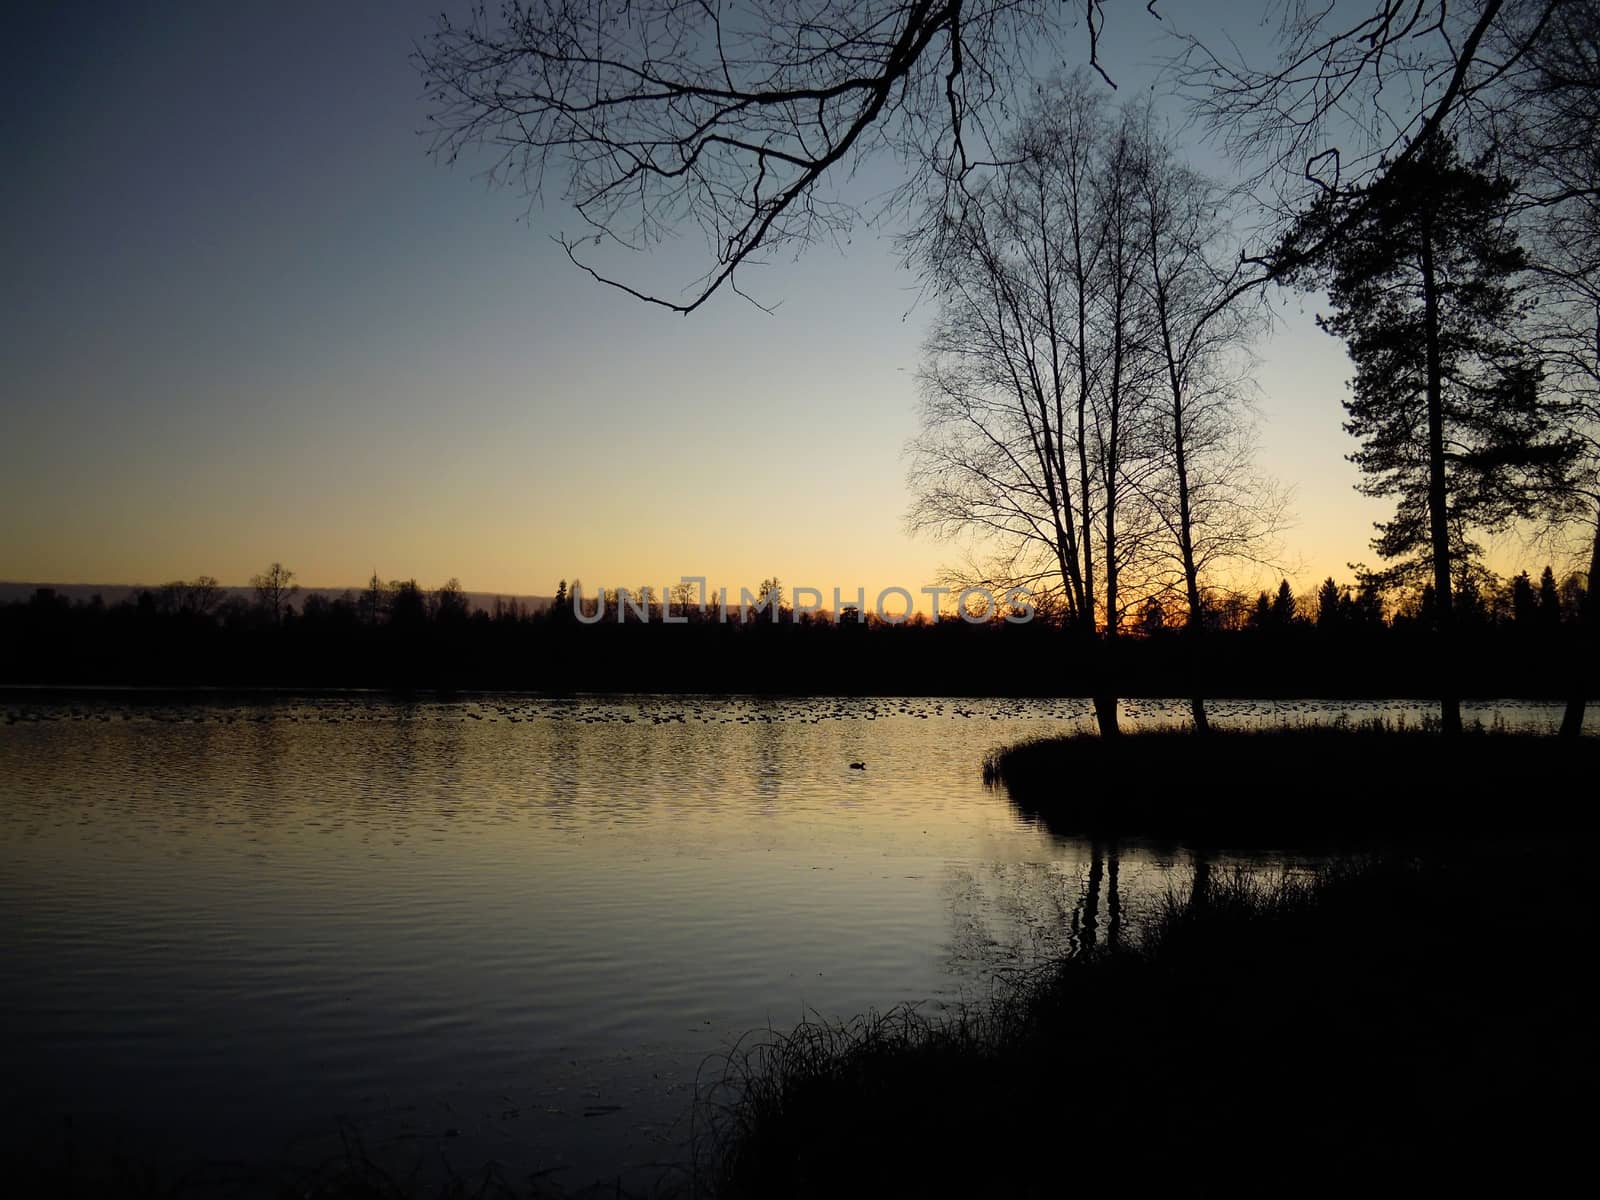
(372, 600)
(1549, 600)
(1445, 402)
(1283, 606)
(1468, 603)
(1524, 602)
(1261, 615)
(1328, 610)
(1367, 606)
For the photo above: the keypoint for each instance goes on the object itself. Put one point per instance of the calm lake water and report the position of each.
(513, 926)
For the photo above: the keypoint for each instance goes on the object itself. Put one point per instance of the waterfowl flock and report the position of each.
(750, 711)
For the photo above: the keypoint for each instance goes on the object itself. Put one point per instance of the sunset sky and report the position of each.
(248, 319)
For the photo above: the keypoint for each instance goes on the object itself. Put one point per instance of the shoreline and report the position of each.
(1385, 1020)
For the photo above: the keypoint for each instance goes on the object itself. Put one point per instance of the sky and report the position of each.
(248, 319)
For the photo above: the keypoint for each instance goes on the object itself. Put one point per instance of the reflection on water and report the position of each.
(513, 922)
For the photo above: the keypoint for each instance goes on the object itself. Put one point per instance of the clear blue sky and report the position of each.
(247, 319)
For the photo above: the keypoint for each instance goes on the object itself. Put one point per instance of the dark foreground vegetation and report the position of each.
(1343, 783)
(402, 636)
(1377, 1027)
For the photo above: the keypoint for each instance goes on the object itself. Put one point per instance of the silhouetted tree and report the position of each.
(1549, 137)
(1549, 600)
(1284, 608)
(561, 607)
(769, 599)
(1218, 510)
(450, 603)
(48, 600)
(1572, 594)
(406, 604)
(1152, 618)
(274, 588)
(1524, 601)
(1445, 403)
(1359, 90)
(198, 597)
(735, 119)
(686, 599)
(1332, 605)
(1367, 605)
(1041, 376)
(1468, 603)
(372, 601)
(1261, 614)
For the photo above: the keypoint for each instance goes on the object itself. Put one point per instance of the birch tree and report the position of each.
(1070, 357)
(1219, 512)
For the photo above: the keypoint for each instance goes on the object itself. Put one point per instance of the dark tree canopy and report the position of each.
(1425, 293)
(1424, 279)
(662, 114)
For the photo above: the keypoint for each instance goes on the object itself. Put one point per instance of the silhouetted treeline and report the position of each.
(1519, 641)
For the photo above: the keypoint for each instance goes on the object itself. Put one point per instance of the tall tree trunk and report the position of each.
(1105, 704)
(1101, 675)
(1588, 643)
(1085, 511)
(1194, 624)
(1194, 627)
(1438, 511)
(1106, 710)
(1105, 713)
(1105, 692)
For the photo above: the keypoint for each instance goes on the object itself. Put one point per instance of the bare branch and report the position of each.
(748, 122)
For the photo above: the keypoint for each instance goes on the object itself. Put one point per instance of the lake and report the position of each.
(512, 926)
